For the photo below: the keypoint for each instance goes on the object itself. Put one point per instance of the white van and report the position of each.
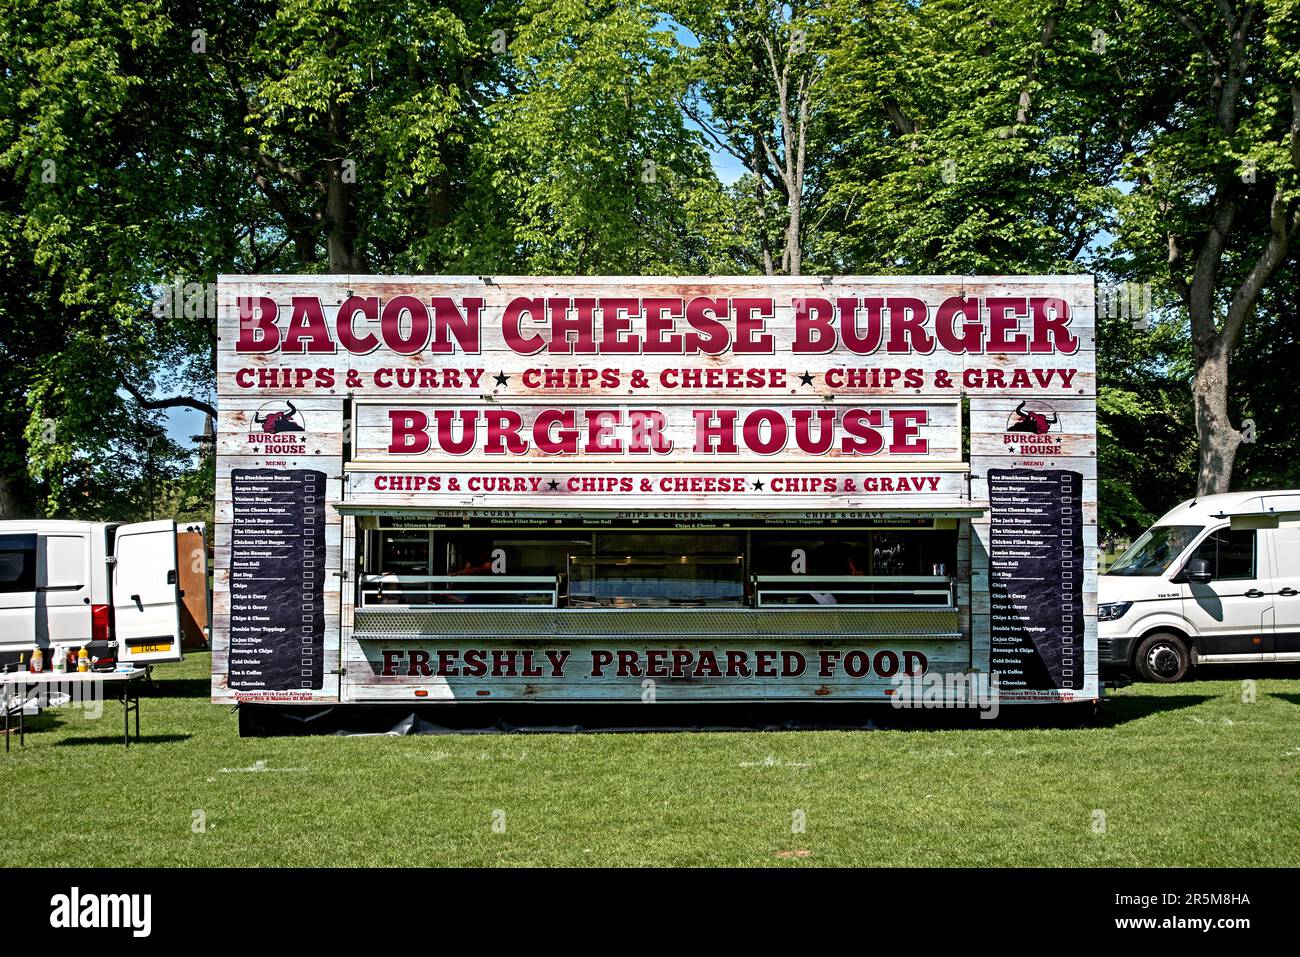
(1214, 581)
(67, 583)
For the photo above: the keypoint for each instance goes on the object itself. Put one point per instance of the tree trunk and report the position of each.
(761, 199)
(794, 250)
(13, 502)
(340, 229)
(338, 215)
(1218, 440)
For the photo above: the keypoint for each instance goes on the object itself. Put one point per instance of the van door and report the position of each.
(63, 587)
(1286, 592)
(1231, 616)
(146, 596)
(192, 565)
(17, 593)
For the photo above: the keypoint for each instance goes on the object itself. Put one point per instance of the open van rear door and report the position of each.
(146, 595)
(192, 568)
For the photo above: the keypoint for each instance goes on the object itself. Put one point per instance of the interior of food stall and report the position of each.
(406, 561)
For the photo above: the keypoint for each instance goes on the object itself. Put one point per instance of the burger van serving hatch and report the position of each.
(277, 429)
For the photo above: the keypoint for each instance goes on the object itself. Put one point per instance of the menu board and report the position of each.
(1036, 578)
(277, 601)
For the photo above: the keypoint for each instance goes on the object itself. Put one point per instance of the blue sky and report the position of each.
(184, 423)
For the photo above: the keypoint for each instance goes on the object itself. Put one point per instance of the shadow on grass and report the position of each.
(179, 688)
(1291, 698)
(117, 739)
(616, 718)
(36, 723)
(1135, 707)
(41, 723)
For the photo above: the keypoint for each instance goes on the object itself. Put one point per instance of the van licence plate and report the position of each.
(150, 648)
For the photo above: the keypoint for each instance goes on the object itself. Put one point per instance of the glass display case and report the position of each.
(658, 571)
(705, 568)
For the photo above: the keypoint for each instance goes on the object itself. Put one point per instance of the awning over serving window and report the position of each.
(954, 508)
(739, 490)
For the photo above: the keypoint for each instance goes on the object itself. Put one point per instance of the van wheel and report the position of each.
(1163, 658)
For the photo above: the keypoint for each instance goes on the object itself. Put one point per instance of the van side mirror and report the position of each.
(1198, 572)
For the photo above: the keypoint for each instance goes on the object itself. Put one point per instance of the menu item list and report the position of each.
(277, 588)
(1036, 578)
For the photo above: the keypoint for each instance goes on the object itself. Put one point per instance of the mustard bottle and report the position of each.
(83, 660)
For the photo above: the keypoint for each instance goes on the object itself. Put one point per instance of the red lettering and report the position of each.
(907, 317)
(814, 331)
(1051, 326)
(905, 437)
(510, 322)
(390, 325)
(971, 338)
(257, 329)
(862, 432)
(409, 432)
(307, 328)
(368, 306)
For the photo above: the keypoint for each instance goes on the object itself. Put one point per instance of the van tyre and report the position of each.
(1162, 657)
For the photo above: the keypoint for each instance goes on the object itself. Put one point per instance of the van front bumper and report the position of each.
(1115, 652)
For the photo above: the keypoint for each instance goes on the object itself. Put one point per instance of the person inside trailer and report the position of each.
(833, 557)
(477, 562)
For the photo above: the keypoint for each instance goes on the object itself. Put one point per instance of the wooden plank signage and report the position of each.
(486, 403)
(673, 431)
(741, 488)
(646, 672)
(588, 336)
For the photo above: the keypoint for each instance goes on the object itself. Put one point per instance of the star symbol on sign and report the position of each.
(502, 378)
(806, 379)
(758, 485)
(553, 485)
(256, 449)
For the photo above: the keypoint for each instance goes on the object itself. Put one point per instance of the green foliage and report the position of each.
(143, 140)
(934, 162)
(1146, 449)
(97, 202)
(592, 161)
(1264, 396)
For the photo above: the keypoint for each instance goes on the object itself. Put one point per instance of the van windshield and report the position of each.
(1155, 550)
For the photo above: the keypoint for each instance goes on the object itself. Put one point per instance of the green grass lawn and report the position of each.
(1185, 775)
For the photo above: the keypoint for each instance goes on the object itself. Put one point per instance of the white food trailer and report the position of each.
(451, 488)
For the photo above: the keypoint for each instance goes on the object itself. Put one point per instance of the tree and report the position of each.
(1263, 398)
(353, 121)
(94, 205)
(966, 140)
(1211, 133)
(593, 168)
(1146, 449)
(756, 72)
(150, 141)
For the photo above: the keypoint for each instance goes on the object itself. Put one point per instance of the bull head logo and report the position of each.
(284, 421)
(1035, 423)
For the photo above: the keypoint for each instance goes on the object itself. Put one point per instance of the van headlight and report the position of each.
(1113, 610)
